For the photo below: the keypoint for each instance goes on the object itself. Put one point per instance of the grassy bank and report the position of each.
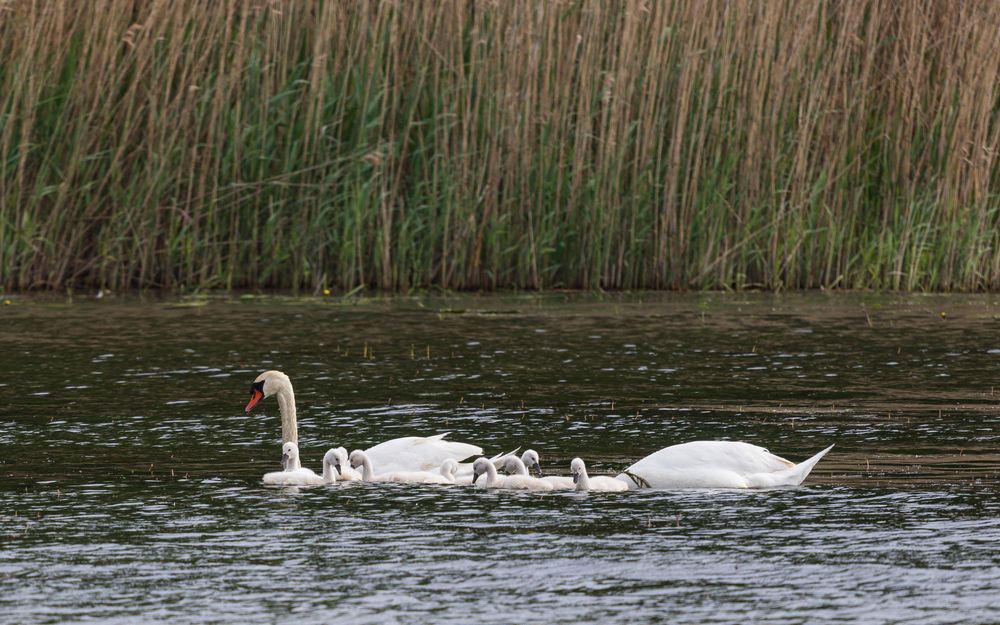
(482, 144)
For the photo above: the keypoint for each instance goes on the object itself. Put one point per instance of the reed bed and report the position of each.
(499, 144)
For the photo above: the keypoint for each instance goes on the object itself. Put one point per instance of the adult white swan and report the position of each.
(410, 453)
(444, 476)
(716, 464)
(597, 483)
(294, 475)
(512, 482)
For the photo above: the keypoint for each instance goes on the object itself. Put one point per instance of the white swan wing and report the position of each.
(418, 453)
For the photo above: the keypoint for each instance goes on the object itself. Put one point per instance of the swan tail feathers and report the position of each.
(797, 474)
(503, 454)
(461, 451)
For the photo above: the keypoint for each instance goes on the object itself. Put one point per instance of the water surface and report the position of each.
(129, 483)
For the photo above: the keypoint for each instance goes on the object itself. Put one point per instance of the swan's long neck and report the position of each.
(367, 473)
(491, 474)
(518, 464)
(286, 406)
(329, 473)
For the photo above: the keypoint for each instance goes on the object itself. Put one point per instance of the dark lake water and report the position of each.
(130, 476)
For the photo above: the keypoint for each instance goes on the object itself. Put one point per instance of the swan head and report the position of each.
(480, 467)
(449, 467)
(330, 458)
(530, 460)
(339, 458)
(357, 458)
(578, 469)
(289, 456)
(265, 385)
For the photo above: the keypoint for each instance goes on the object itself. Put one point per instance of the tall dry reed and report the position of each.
(491, 144)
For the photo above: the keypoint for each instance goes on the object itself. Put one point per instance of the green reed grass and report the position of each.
(484, 144)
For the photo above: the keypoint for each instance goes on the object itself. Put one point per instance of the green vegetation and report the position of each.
(483, 144)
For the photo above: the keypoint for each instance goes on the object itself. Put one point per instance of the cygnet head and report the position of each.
(330, 458)
(340, 458)
(449, 468)
(289, 456)
(530, 460)
(357, 458)
(578, 469)
(512, 465)
(266, 384)
(479, 467)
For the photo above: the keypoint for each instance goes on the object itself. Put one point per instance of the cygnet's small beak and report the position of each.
(576, 478)
(475, 478)
(284, 461)
(255, 397)
(336, 465)
(536, 469)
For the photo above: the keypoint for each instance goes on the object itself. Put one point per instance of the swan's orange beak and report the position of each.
(255, 397)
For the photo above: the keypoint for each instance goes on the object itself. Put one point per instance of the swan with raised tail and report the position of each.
(716, 464)
(410, 453)
(293, 474)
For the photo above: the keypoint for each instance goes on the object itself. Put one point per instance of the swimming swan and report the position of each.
(511, 482)
(463, 476)
(716, 464)
(529, 460)
(361, 459)
(293, 473)
(410, 453)
(596, 483)
(516, 466)
(345, 473)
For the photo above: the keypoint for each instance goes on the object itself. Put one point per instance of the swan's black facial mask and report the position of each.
(256, 394)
